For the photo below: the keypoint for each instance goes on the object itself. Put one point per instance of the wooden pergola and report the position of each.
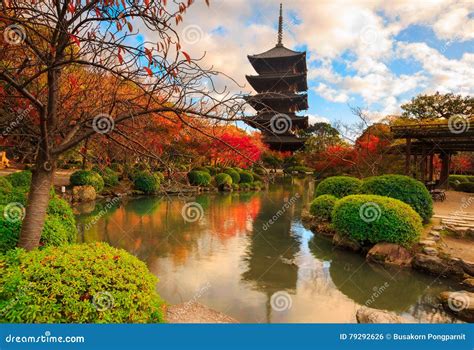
(423, 141)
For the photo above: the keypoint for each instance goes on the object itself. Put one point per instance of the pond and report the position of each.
(248, 255)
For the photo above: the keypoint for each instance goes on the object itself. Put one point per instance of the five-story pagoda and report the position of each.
(280, 85)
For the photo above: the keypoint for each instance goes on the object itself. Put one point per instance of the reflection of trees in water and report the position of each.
(150, 226)
(271, 252)
(373, 285)
(428, 309)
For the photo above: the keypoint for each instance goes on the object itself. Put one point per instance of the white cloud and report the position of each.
(331, 94)
(313, 119)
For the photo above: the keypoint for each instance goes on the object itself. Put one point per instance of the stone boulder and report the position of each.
(449, 267)
(460, 304)
(369, 315)
(345, 242)
(389, 254)
(83, 193)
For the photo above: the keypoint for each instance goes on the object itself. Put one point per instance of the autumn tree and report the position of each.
(426, 107)
(73, 70)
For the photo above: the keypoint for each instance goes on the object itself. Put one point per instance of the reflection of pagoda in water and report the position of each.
(279, 84)
(271, 253)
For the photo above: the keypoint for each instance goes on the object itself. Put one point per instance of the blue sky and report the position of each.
(371, 54)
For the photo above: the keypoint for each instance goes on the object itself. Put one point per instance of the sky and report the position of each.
(375, 55)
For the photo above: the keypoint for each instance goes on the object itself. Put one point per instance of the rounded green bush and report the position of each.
(20, 179)
(87, 177)
(257, 185)
(199, 178)
(455, 180)
(466, 187)
(233, 174)
(246, 177)
(338, 186)
(202, 168)
(147, 182)
(321, 207)
(403, 188)
(373, 219)
(81, 283)
(59, 227)
(223, 179)
(111, 178)
(245, 186)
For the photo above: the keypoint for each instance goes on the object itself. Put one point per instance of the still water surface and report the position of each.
(249, 246)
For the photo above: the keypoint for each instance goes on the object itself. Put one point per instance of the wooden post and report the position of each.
(407, 157)
(423, 164)
(431, 167)
(443, 181)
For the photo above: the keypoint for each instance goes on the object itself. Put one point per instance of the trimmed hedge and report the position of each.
(233, 174)
(466, 187)
(199, 178)
(223, 179)
(403, 188)
(373, 219)
(147, 182)
(455, 180)
(339, 186)
(321, 207)
(87, 178)
(111, 178)
(87, 283)
(246, 177)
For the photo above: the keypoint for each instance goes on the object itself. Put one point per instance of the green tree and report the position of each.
(438, 106)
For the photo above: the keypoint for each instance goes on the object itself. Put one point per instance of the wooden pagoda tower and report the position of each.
(281, 87)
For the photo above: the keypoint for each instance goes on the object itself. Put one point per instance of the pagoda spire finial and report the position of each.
(280, 27)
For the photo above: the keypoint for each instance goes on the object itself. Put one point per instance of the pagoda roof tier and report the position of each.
(263, 122)
(278, 101)
(284, 142)
(278, 82)
(279, 60)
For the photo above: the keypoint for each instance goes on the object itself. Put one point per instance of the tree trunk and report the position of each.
(37, 205)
